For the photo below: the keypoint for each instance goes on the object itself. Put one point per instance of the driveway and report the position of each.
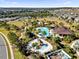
(3, 49)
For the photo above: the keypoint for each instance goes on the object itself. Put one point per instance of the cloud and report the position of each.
(35, 3)
(67, 2)
(8, 3)
(2, 0)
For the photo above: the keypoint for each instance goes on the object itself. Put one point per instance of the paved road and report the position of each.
(3, 48)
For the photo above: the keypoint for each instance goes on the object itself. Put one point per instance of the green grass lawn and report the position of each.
(17, 23)
(4, 31)
(18, 54)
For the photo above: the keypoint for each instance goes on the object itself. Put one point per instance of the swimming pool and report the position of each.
(43, 29)
(43, 48)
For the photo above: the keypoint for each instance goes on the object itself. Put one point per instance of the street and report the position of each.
(3, 48)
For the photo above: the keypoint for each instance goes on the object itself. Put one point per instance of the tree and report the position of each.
(70, 51)
(34, 22)
(7, 27)
(13, 37)
(39, 30)
(44, 33)
(34, 44)
(3, 24)
(57, 39)
(25, 40)
(68, 39)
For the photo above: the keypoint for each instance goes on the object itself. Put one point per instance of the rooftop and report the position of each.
(62, 30)
(59, 54)
(76, 44)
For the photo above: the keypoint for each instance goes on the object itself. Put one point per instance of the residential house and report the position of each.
(58, 54)
(60, 31)
(75, 46)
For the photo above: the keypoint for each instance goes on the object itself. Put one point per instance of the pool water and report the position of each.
(44, 46)
(42, 29)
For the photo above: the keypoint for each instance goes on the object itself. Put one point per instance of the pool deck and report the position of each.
(46, 49)
(49, 48)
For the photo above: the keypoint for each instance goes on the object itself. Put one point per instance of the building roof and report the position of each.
(75, 45)
(61, 30)
(59, 54)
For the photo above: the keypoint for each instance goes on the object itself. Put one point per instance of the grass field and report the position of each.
(4, 31)
(17, 23)
(18, 54)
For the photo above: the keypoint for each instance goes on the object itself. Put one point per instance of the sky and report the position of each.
(39, 3)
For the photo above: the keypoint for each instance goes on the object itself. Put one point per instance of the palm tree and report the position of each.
(44, 33)
(68, 39)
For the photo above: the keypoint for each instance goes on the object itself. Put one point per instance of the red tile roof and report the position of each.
(62, 30)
